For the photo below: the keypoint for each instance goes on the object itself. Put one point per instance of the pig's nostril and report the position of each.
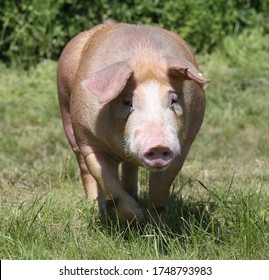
(150, 154)
(160, 154)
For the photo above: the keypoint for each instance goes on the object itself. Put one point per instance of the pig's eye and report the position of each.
(128, 100)
(173, 100)
(128, 103)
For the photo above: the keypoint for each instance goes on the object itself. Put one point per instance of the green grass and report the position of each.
(219, 206)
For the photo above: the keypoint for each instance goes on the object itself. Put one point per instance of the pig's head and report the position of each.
(153, 108)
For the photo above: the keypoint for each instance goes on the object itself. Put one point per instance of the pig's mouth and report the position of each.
(157, 167)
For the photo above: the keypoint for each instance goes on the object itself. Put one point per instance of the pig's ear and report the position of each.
(109, 82)
(186, 68)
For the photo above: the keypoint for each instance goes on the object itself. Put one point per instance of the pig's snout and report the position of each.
(158, 156)
(155, 146)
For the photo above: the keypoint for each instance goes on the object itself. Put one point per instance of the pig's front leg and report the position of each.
(159, 187)
(105, 171)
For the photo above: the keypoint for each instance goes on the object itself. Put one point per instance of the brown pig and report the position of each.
(130, 94)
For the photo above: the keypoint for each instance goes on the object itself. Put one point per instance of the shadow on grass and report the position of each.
(189, 221)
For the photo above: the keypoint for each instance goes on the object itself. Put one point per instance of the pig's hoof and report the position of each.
(140, 216)
(128, 210)
(134, 217)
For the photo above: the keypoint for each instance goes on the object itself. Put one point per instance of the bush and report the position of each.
(35, 29)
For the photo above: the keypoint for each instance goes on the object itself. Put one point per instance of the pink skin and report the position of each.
(158, 156)
(153, 123)
(153, 148)
(140, 103)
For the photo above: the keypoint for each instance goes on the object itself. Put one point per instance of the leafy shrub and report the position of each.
(35, 29)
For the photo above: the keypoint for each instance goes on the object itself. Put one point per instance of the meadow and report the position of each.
(219, 205)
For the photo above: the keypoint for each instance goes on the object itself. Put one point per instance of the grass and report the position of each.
(219, 203)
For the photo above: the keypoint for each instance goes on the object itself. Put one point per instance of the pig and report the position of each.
(130, 96)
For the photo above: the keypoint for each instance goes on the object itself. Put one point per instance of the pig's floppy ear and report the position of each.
(107, 83)
(186, 68)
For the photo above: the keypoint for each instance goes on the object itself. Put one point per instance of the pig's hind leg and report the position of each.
(129, 178)
(159, 188)
(90, 184)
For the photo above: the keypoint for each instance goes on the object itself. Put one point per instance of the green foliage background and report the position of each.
(219, 204)
(32, 30)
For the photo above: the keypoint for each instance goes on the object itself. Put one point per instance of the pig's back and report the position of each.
(120, 42)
